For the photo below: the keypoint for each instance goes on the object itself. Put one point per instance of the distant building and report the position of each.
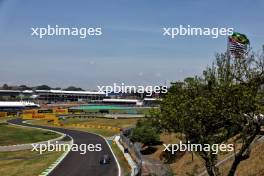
(61, 96)
(69, 96)
(9, 95)
(11, 106)
(52, 96)
(133, 102)
(122, 101)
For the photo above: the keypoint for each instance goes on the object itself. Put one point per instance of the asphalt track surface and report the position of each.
(76, 164)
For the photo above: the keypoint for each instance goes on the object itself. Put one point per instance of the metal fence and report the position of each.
(145, 165)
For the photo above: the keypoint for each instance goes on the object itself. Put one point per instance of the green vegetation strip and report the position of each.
(13, 135)
(26, 163)
(125, 169)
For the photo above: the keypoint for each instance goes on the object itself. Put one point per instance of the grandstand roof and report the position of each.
(121, 100)
(16, 104)
(71, 92)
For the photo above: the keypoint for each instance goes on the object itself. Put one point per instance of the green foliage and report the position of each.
(72, 88)
(43, 87)
(210, 109)
(5, 87)
(145, 133)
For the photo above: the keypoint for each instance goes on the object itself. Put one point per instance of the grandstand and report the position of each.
(52, 96)
(66, 98)
(10, 106)
(122, 101)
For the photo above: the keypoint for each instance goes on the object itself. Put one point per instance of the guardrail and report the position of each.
(134, 167)
(145, 166)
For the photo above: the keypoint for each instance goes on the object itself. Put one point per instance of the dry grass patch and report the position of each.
(253, 166)
(119, 123)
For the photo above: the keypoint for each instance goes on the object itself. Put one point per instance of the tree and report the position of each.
(72, 88)
(5, 87)
(145, 134)
(24, 87)
(222, 103)
(43, 87)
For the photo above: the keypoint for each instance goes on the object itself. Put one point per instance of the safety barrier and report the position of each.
(47, 114)
(133, 165)
(3, 114)
(54, 111)
(144, 165)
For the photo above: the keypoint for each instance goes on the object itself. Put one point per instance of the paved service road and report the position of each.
(75, 164)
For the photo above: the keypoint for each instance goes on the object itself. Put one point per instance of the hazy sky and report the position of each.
(132, 48)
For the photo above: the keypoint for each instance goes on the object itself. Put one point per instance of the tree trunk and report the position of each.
(244, 152)
(212, 170)
(234, 166)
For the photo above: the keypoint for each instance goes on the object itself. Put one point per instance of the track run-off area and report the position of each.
(76, 164)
